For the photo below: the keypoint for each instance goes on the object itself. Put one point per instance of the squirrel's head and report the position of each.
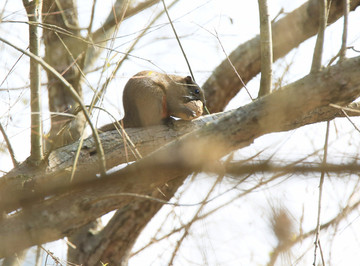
(194, 91)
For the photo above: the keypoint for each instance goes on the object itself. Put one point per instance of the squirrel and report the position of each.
(151, 98)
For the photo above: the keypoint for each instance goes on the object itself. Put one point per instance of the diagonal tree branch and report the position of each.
(103, 33)
(14, 190)
(287, 33)
(60, 215)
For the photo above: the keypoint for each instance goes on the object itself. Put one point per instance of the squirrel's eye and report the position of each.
(197, 91)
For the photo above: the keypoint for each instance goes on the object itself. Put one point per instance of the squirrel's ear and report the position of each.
(188, 79)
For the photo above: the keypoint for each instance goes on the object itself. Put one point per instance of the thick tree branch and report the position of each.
(287, 33)
(115, 14)
(266, 49)
(105, 32)
(319, 46)
(14, 189)
(66, 55)
(60, 215)
(33, 10)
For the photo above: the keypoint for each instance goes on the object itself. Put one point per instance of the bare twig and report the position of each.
(317, 240)
(126, 54)
(316, 63)
(178, 40)
(74, 60)
(3, 10)
(91, 18)
(348, 118)
(11, 151)
(216, 35)
(181, 47)
(105, 30)
(354, 49)
(92, 104)
(343, 214)
(195, 218)
(126, 138)
(322, 254)
(266, 49)
(33, 10)
(11, 71)
(234, 68)
(99, 147)
(57, 260)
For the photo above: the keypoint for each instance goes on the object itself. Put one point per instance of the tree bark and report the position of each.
(60, 215)
(65, 53)
(287, 33)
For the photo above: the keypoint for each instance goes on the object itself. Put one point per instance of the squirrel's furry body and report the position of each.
(150, 98)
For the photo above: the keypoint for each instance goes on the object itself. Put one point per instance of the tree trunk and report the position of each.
(65, 52)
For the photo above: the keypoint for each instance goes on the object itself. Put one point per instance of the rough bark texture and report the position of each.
(60, 215)
(65, 53)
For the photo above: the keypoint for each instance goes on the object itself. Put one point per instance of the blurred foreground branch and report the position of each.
(51, 219)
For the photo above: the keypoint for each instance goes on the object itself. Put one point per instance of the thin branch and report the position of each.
(348, 118)
(318, 51)
(233, 67)
(127, 53)
(93, 102)
(178, 40)
(322, 177)
(11, 71)
(240, 169)
(91, 18)
(126, 138)
(333, 222)
(194, 219)
(11, 151)
(91, 44)
(33, 10)
(345, 29)
(105, 31)
(266, 49)
(216, 35)
(3, 10)
(99, 147)
(181, 47)
(222, 84)
(321, 254)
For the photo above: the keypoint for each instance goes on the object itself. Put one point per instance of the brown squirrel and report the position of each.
(151, 98)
